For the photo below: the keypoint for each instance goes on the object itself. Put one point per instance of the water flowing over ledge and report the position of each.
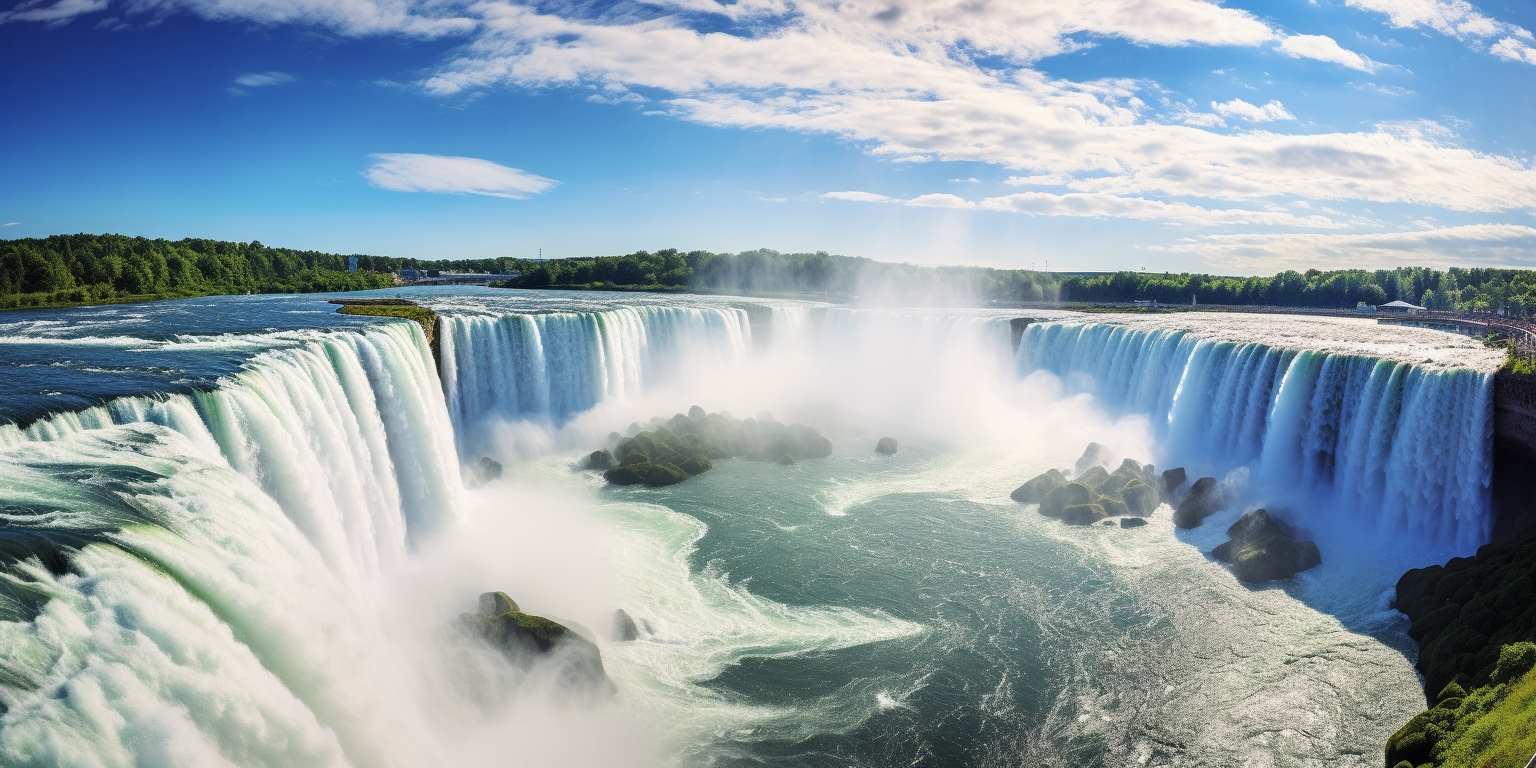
(550, 366)
(1385, 445)
(347, 432)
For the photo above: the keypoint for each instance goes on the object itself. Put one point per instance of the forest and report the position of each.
(86, 269)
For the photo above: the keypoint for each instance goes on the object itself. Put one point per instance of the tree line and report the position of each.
(69, 269)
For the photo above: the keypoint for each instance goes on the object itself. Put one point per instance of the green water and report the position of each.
(1025, 643)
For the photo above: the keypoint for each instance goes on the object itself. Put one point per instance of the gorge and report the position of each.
(242, 537)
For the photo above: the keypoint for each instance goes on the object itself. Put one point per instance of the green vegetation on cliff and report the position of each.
(97, 269)
(1474, 619)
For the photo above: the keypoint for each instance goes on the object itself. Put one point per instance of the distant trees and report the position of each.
(98, 268)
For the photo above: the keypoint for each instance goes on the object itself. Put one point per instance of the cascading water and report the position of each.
(1392, 445)
(548, 367)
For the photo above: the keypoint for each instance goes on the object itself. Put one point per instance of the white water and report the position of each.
(548, 367)
(1361, 443)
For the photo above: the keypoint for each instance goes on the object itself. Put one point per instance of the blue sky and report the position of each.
(1239, 137)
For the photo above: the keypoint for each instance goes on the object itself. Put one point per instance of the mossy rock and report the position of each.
(1036, 488)
(526, 638)
(1140, 498)
(600, 461)
(692, 442)
(1112, 506)
(1071, 494)
(1094, 454)
(1263, 547)
(696, 464)
(1093, 477)
(1083, 514)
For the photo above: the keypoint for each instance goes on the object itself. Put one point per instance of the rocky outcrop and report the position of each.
(1095, 493)
(527, 639)
(1262, 547)
(600, 461)
(483, 470)
(669, 451)
(1203, 500)
(1173, 480)
(1132, 522)
(1037, 488)
(886, 446)
(1094, 455)
(401, 308)
(624, 627)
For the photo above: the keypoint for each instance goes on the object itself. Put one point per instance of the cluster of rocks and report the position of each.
(669, 451)
(1092, 494)
(526, 638)
(1261, 546)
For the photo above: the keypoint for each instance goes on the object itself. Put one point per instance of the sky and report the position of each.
(1240, 137)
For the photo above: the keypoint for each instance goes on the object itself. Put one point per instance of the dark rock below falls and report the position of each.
(1263, 547)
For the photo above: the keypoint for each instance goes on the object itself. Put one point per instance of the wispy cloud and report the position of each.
(1485, 245)
(1326, 49)
(420, 18)
(11, 224)
(1101, 206)
(1253, 113)
(263, 79)
(1460, 20)
(405, 172)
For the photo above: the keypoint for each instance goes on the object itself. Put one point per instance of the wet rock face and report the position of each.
(1262, 547)
(527, 639)
(1203, 500)
(669, 451)
(886, 446)
(1094, 493)
(1173, 480)
(1094, 455)
(483, 470)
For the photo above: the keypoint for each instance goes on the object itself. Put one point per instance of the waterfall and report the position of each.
(1389, 445)
(549, 367)
(347, 432)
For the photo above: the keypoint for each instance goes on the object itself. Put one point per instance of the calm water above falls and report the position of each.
(264, 572)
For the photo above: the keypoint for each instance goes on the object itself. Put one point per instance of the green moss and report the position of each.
(400, 308)
(1502, 735)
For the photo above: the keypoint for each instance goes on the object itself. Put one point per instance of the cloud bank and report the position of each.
(404, 172)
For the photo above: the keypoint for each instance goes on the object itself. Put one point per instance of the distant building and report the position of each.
(411, 274)
(1399, 308)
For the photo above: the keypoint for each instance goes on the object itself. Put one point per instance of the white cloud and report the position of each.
(1457, 19)
(966, 180)
(262, 79)
(1103, 206)
(1326, 49)
(11, 224)
(1253, 113)
(1039, 180)
(1485, 245)
(423, 18)
(855, 196)
(404, 172)
(56, 12)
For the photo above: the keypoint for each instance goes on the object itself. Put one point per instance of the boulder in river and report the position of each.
(525, 638)
(1094, 455)
(1132, 522)
(601, 461)
(1057, 501)
(1093, 477)
(1113, 506)
(1082, 514)
(1203, 500)
(671, 450)
(483, 470)
(1035, 489)
(1140, 499)
(1173, 480)
(886, 446)
(1262, 547)
(624, 627)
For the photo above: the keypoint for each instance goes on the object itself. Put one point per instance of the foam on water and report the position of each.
(1357, 443)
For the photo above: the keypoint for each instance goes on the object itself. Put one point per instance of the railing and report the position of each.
(1521, 332)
